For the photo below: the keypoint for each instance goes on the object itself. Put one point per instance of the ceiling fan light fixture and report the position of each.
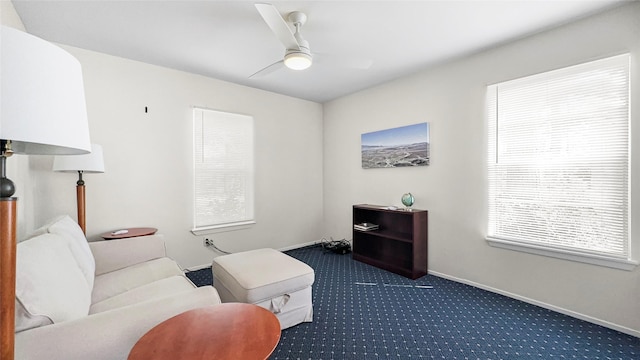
(297, 60)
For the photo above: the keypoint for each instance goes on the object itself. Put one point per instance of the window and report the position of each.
(559, 163)
(223, 166)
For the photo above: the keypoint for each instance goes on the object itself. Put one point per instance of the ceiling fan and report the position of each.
(298, 54)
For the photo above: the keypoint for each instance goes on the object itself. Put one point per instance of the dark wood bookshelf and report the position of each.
(399, 244)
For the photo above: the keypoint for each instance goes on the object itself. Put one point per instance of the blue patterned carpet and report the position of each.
(362, 312)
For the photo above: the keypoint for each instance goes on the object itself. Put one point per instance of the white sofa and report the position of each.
(80, 300)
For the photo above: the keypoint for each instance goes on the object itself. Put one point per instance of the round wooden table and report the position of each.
(224, 331)
(131, 232)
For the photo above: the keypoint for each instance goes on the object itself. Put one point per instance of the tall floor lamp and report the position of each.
(42, 111)
(82, 164)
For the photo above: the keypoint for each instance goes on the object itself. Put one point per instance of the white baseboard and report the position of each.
(560, 310)
(286, 248)
(574, 314)
(298, 246)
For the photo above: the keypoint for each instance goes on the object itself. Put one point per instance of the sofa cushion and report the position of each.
(26, 320)
(155, 290)
(49, 282)
(109, 335)
(72, 233)
(120, 281)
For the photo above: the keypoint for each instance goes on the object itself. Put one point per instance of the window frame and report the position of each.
(539, 248)
(198, 115)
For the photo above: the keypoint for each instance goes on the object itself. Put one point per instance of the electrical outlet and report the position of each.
(207, 242)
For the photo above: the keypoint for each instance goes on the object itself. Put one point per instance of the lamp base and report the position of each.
(7, 188)
(7, 277)
(80, 202)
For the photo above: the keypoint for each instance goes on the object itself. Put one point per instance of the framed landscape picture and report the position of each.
(398, 147)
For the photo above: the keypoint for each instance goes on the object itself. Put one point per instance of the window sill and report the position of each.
(222, 228)
(615, 263)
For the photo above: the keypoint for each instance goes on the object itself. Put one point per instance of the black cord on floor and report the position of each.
(336, 246)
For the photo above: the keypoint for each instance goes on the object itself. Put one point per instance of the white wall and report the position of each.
(453, 187)
(148, 178)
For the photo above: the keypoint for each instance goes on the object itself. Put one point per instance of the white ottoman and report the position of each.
(267, 278)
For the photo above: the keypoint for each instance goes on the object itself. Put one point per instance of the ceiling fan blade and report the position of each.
(278, 25)
(268, 70)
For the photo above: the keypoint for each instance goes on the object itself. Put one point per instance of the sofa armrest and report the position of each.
(111, 255)
(107, 335)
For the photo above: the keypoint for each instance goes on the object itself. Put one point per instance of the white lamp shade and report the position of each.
(42, 103)
(87, 163)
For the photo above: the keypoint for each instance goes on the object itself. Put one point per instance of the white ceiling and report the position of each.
(229, 40)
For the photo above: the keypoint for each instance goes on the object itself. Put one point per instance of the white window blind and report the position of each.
(559, 160)
(223, 165)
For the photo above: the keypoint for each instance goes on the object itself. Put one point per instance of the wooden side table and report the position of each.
(131, 232)
(225, 331)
